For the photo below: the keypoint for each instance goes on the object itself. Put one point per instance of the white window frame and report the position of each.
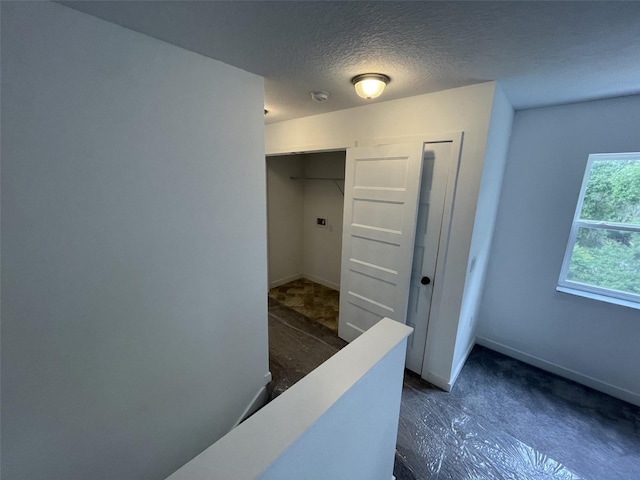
(581, 289)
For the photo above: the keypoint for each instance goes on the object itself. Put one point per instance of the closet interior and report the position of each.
(305, 202)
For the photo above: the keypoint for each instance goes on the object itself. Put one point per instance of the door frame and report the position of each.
(299, 150)
(312, 148)
(456, 137)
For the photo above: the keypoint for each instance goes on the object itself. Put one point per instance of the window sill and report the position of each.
(601, 298)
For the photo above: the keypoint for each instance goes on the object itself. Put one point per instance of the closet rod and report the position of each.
(334, 180)
(315, 178)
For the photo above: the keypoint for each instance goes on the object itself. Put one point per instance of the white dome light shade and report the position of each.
(370, 85)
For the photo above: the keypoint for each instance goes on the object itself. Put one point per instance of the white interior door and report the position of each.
(381, 198)
(433, 190)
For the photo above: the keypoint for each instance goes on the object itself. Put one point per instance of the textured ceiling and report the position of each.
(542, 52)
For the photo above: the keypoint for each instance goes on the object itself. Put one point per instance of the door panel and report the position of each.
(435, 171)
(381, 198)
(374, 252)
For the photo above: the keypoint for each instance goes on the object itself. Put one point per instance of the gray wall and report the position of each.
(133, 248)
(285, 206)
(322, 247)
(522, 314)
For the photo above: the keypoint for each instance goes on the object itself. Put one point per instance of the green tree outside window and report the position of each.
(605, 238)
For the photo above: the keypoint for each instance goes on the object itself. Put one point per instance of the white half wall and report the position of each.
(521, 313)
(285, 210)
(322, 247)
(133, 206)
(336, 423)
(466, 109)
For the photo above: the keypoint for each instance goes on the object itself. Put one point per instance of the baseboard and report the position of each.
(322, 281)
(282, 281)
(444, 384)
(298, 276)
(259, 400)
(460, 365)
(439, 382)
(621, 393)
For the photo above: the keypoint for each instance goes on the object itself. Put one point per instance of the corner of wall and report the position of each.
(258, 401)
(497, 143)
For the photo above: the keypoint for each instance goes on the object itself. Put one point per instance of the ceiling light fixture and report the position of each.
(370, 85)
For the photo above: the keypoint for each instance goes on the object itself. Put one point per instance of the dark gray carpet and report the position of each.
(297, 346)
(438, 439)
(503, 420)
(594, 435)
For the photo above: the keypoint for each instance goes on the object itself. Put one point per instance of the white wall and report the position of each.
(486, 212)
(465, 109)
(521, 313)
(322, 198)
(285, 209)
(302, 434)
(134, 276)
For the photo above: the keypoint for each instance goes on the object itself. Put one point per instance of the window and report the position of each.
(602, 259)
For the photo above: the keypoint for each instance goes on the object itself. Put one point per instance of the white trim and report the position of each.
(595, 292)
(460, 366)
(438, 381)
(282, 281)
(298, 276)
(457, 139)
(312, 148)
(450, 136)
(447, 385)
(258, 401)
(618, 392)
(322, 281)
(564, 288)
(627, 227)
